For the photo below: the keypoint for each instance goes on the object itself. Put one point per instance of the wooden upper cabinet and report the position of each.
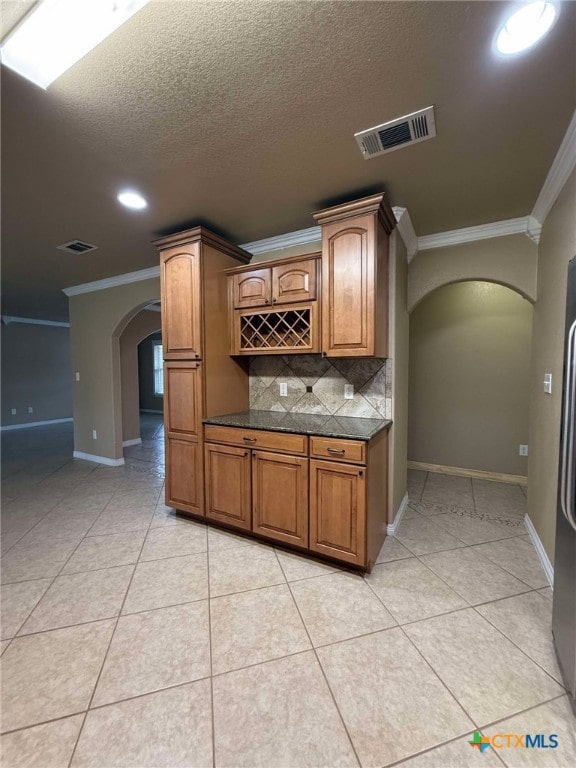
(355, 277)
(288, 282)
(252, 289)
(294, 282)
(183, 400)
(181, 302)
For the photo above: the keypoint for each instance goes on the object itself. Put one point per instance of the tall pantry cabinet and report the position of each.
(200, 378)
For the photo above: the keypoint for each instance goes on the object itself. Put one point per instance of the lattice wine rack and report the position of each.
(286, 329)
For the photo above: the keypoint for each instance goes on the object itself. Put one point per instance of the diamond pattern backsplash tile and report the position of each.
(371, 379)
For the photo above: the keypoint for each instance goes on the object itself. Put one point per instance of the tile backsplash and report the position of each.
(370, 377)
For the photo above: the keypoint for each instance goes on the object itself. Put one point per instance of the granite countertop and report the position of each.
(303, 424)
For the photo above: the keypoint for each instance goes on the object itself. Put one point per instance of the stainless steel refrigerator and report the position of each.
(564, 607)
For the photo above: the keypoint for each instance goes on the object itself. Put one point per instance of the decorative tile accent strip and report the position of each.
(371, 379)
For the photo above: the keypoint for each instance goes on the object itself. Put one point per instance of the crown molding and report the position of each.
(470, 234)
(563, 165)
(7, 319)
(112, 282)
(407, 232)
(298, 237)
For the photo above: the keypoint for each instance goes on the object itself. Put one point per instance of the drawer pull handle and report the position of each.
(249, 439)
(337, 451)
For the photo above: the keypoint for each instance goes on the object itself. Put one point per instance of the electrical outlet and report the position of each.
(283, 389)
(94, 435)
(77, 375)
(523, 450)
(348, 391)
(13, 411)
(30, 409)
(548, 383)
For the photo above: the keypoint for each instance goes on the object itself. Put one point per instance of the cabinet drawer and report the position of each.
(353, 451)
(282, 442)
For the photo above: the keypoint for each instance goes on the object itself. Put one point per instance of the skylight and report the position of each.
(58, 33)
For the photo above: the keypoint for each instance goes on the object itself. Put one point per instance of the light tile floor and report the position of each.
(133, 637)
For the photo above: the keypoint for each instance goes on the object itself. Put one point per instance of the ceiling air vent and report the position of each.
(77, 246)
(410, 129)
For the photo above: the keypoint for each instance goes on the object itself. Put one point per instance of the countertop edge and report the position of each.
(229, 420)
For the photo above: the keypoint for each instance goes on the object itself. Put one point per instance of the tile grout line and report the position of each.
(340, 715)
(105, 658)
(211, 653)
(522, 651)
(453, 695)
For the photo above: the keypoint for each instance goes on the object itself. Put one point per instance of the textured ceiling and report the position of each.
(241, 115)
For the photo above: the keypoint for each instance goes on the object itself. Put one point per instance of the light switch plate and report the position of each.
(548, 383)
(348, 391)
(523, 450)
(283, 389)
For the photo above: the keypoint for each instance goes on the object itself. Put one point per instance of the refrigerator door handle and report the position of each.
(567, 458)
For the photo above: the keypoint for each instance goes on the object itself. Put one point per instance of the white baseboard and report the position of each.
(134, 441)
(393, 527)
(10, 427)
(540, 551)
(98, 459)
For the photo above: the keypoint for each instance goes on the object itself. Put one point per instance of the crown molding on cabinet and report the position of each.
(112, 282)
(7, 319)
(298, 237)
(406, 230)
(563, 165)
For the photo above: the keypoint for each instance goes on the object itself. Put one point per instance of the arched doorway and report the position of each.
(136, 352)
(469, 378)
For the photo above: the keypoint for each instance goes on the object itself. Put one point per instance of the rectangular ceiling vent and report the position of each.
(410, 129)
(77, 246)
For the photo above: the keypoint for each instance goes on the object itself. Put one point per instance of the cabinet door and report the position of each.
(228, 491)
(184, 475)
(252, 289)
(338, 511)
(294, 282)
(348, 288)
(183, 399)
(280, 497)
(181, 302)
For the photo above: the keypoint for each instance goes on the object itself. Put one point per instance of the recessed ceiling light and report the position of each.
(132, 199)
(526, 26)
(58, 33)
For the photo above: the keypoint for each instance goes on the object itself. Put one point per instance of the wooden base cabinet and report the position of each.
(280, 497)
(184, 475)
(334, 504)
(228, 485)
(338, 510)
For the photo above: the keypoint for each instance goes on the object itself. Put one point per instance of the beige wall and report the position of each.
(469, 378)
(141, 326)
(97, 320)
(35, 372)
(511, 260)
(557, 247)
(399, 323)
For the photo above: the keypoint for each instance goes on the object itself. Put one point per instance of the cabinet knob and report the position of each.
(274, 300)
(361, 473)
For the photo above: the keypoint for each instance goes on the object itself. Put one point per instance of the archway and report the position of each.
(144, 325)
(469, 378)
